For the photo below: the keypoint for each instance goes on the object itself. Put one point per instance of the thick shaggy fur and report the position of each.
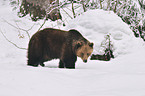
(51, 44)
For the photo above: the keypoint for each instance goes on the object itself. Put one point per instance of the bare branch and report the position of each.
(83, 4)
(31, 27)
(11, 41)
(108, 4)
(67, 13)
(20, 28)
(42, 25)
(121, 8)
(101, 4)
(73, 9)
(115, 6)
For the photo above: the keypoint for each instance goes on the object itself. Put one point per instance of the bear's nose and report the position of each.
(85, 61)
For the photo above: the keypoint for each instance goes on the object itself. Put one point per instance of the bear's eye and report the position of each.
(82, 54)
(88, 54)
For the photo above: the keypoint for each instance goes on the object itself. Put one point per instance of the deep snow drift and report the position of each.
(95, 24)
(122, 76)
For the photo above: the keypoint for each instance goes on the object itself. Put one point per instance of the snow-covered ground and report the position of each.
(122, 76)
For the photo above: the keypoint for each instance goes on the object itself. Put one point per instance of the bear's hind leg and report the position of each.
(33, 64)
(61, 64)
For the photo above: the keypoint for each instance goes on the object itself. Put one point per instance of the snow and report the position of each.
(95, 24)
(122, 76)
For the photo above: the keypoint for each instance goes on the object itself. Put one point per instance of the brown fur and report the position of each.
(84, 52)
(51, 44)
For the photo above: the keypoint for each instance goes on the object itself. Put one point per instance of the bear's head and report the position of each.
(84, 50)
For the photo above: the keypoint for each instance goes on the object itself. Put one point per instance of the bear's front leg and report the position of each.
(72, 66)
(70, 62)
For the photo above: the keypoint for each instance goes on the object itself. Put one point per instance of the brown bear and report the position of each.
(50, 43)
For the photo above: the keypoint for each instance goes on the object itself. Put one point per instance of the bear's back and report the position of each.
(51, 33)
(48, 40)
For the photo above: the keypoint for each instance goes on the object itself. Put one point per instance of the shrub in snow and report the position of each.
(106, 48)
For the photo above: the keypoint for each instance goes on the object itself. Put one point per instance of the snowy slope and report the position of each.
(122, 76)
(95, 24)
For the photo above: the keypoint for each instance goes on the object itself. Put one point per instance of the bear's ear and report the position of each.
(91, 44)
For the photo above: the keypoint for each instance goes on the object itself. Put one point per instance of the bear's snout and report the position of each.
(85, 61)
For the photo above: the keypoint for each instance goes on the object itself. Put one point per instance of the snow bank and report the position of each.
(95, 24)
(122, 76)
